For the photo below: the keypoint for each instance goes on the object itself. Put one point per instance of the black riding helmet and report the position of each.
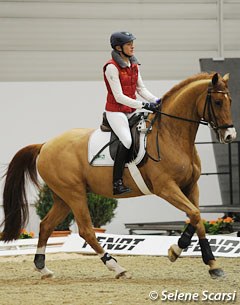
(120, 38)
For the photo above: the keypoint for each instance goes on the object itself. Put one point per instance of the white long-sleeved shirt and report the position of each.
(112, 75)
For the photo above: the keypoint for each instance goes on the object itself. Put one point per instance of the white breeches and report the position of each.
(119, 124)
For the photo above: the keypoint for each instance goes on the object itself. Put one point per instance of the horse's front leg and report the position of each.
(173, 194)
(207, 256)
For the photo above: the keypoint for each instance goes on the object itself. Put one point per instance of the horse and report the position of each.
(62, 163)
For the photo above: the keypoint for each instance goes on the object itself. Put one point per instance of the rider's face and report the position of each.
(128, 48)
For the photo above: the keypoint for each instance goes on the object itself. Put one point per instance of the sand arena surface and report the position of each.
(84, 280)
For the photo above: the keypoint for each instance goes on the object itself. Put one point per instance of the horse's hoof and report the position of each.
(216, 273)
(46, 273)
(47, 276)
(173, 253)
(123, 275)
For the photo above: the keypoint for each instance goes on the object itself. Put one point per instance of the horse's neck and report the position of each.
(183, 104)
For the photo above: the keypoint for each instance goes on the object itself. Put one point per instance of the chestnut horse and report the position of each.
(63, 164)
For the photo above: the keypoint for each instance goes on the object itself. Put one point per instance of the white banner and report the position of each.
(221, 245)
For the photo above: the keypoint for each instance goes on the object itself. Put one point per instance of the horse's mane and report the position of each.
(185, 82)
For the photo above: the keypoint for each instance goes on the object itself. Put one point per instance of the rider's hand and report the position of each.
(150, 106)
(158, 101)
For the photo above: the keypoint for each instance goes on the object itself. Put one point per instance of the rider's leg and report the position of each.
(118, 168)
(119, 124)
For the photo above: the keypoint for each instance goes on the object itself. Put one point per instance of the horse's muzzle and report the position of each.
(228, 136)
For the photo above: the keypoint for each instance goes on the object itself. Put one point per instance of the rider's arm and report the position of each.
(112, 76)
(143, 91)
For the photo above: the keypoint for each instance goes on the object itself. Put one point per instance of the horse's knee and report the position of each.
(195, 217)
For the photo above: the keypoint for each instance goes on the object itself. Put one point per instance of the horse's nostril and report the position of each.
(228, 138)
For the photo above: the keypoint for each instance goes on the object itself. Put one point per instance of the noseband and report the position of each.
(208, 107)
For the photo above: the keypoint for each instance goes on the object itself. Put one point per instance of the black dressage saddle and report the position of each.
(114, 141)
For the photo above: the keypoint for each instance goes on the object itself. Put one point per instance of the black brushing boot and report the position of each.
(119, 164)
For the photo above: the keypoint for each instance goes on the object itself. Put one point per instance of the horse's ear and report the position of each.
(226, 77)
(215, 79)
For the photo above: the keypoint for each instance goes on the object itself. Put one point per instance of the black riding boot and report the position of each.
(119, 164)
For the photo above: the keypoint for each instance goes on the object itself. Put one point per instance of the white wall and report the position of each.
(69, 40)
(33, 112)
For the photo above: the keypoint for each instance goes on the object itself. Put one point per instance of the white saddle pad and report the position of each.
(96, 142)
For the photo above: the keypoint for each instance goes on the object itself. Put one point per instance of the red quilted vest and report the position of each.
(128, 78)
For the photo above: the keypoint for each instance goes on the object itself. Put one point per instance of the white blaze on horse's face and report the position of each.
(226, 133)
(230, 133)
(229, 136)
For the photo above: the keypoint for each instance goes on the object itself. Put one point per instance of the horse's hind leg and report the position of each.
(78, 204)
(56, 215)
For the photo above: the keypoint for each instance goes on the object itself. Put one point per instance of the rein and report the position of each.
(207, 107)
(157, 115)
(202, 121)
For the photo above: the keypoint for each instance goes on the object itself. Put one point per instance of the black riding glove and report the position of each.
(150, 106)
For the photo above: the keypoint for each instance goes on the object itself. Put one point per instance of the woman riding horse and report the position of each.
(123, 79)
(63, 164)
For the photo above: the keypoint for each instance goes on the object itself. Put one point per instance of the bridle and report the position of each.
(208, 107)
(211, 114)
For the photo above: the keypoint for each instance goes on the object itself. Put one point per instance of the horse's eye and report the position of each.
(218, 102)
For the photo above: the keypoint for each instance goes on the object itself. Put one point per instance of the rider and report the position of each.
(123, 80)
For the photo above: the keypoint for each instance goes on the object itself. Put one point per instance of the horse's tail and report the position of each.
(22, 166)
